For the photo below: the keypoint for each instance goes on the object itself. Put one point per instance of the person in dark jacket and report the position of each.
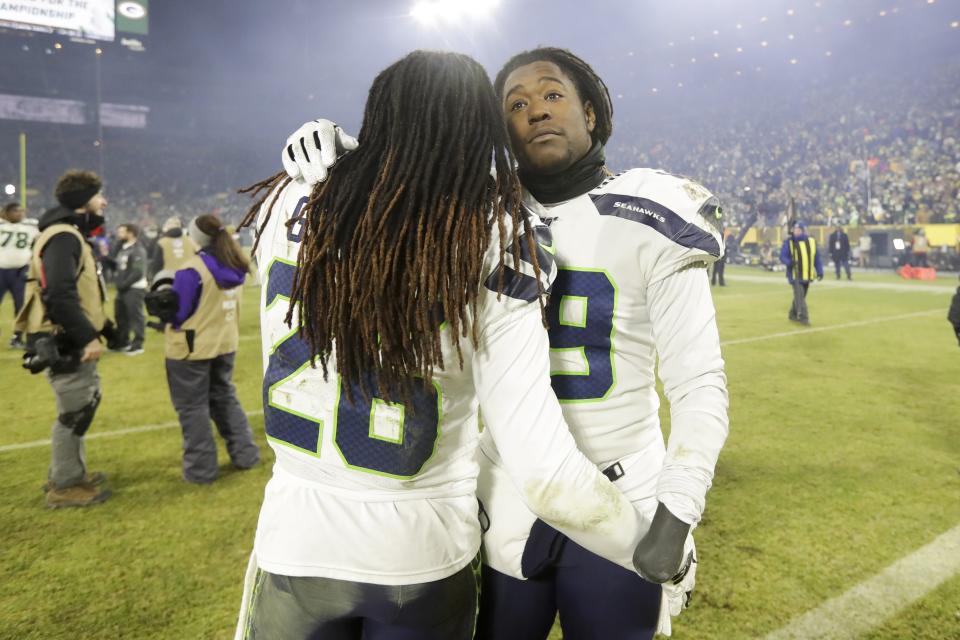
(201, 345)
(839, 243)
(63, 319)
(131, 281)
(799, 254)
(954, 314)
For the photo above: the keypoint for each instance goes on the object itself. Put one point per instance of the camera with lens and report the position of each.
(43, 351)
(161, 301)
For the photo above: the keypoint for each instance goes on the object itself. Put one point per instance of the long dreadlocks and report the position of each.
(394, 241)
(589, 85)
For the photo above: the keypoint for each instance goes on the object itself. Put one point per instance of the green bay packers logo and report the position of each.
(132, 10)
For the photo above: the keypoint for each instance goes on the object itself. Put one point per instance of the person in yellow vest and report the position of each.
(63, 319)
(799, 254)
(201, 343)
(173, 248)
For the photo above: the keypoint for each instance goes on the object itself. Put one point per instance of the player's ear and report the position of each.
(590, 116)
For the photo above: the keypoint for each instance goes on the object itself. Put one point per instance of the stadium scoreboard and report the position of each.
(84, 20)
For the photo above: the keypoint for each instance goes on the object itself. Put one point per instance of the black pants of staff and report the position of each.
(718, 268)
(839, 261)
(129, 313)
(14, 281)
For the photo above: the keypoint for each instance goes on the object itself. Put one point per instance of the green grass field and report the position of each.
(843, 457)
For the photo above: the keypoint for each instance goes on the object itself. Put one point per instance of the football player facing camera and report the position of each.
(631, 288)
(429, 277)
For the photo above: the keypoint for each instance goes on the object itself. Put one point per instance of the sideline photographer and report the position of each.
(63, 319)
(201, 309)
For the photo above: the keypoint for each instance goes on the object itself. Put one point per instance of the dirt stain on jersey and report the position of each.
(573, 509)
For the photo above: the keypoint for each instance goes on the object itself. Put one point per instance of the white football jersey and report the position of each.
(372, 493)
(630, 287)
(16, 242)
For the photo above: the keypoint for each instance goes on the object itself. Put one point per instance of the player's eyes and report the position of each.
(516, 105)
(554, 96)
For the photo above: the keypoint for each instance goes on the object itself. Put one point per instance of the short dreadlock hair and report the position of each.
(394, 241)
(588, 84)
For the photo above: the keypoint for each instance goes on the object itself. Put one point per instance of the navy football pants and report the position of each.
(14, 281)
(595, 599)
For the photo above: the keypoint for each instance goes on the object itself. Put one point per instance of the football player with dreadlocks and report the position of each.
(631, 290)
(416, 279)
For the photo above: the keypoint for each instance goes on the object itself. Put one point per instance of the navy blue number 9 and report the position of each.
(593, 296)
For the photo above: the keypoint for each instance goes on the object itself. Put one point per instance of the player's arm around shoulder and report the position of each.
(537, 458)
(536, 455)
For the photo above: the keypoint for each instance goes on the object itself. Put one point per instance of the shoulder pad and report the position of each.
(678, 208)
(33, 222)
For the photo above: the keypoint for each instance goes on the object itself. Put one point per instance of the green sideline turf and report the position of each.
(843, 456)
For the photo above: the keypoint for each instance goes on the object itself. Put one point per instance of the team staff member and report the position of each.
(799, 253)
(173, 249)
(201, 346)
(16, 239)
(65, 302)
(131, 281)
(839, 243)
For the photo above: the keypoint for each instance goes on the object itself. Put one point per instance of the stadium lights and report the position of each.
(9, 189)
(430, 12)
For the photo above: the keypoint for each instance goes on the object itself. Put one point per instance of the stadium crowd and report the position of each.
(899, 141)
(902, 137)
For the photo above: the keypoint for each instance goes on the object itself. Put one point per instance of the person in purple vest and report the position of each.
(201, 345)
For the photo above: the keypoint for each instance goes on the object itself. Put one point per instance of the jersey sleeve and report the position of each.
(691, 367)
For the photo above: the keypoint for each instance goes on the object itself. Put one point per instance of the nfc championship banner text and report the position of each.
(82, 18)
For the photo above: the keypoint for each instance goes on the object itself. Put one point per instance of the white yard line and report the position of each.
(106, 434)
(938, 289)
(726, 343)
(879, 598)
(832, 327)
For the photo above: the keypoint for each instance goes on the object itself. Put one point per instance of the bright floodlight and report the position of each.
(9, 189)
(451, 11)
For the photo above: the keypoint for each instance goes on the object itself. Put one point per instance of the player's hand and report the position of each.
(92, 351)
(313, 148)
(678, 592)
(659, 556)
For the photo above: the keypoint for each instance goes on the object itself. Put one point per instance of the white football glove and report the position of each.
(313, 148)
(676, 593)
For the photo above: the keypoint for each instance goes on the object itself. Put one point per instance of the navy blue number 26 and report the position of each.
(580, 313)
(400, 452)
